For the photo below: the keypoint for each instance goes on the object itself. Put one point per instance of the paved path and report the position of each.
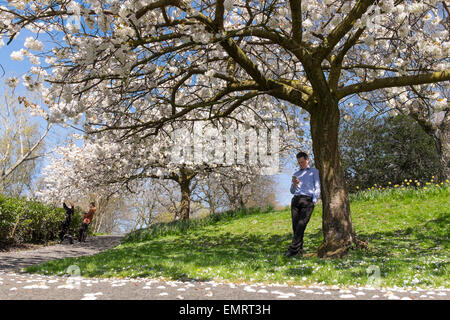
(21, 286)
(16, 285)
(16, 260)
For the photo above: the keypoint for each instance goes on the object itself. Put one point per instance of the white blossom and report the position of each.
(17, 55)
(12, 82)
(33, 44)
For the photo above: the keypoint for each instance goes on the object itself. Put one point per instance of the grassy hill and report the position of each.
(407, 230)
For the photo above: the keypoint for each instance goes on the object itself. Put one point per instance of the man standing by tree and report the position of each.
(306, 190)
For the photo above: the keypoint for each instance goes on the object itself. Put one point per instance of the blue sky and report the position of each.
(18, 69)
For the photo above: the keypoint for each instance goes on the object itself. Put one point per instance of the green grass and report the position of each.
(407, 231)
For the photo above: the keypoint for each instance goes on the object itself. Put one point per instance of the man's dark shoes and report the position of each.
(292, 253)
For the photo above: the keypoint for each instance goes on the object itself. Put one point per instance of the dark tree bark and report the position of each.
(184, 180)
(185, 200)
(439, 131)
(336, 221)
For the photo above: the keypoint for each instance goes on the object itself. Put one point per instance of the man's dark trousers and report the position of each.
(301, 210)
(83, 232)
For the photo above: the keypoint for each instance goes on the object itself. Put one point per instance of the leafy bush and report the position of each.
(386, 150)
(25, 221)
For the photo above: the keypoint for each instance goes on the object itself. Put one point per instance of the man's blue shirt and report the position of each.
(309, 183)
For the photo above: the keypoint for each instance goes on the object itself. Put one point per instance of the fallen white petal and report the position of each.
(263, 291)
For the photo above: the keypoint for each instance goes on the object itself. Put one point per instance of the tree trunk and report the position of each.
(337, 229)
(444, 157)
(442, 141)
(185, 199)
(439, 130)
(184, 180)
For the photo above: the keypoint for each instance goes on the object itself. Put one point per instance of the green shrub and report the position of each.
(27, 221)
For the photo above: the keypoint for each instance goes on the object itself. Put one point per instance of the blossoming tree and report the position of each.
(128, 69)
(105, 166)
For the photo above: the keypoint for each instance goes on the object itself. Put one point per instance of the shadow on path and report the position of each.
(15, 261)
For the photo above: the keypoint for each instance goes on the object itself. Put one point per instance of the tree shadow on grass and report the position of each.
(177, 257)
(257, 252)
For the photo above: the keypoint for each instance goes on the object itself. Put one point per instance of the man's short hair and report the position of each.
(92, 203)
(302, 154)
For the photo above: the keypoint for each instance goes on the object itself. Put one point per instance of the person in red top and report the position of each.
(87, 218)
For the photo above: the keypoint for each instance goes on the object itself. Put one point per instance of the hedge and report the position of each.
(27, 221)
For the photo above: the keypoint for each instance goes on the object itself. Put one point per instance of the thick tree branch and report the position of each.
(158, 4)
(336, 61)
(394, 82)
(296, 12)
(218, 19)
(341, 30)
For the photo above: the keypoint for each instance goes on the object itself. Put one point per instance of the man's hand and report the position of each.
(295, 181)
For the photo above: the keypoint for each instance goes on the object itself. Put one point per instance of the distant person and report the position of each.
(65, 228)
(306, 190)
(87, 218)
